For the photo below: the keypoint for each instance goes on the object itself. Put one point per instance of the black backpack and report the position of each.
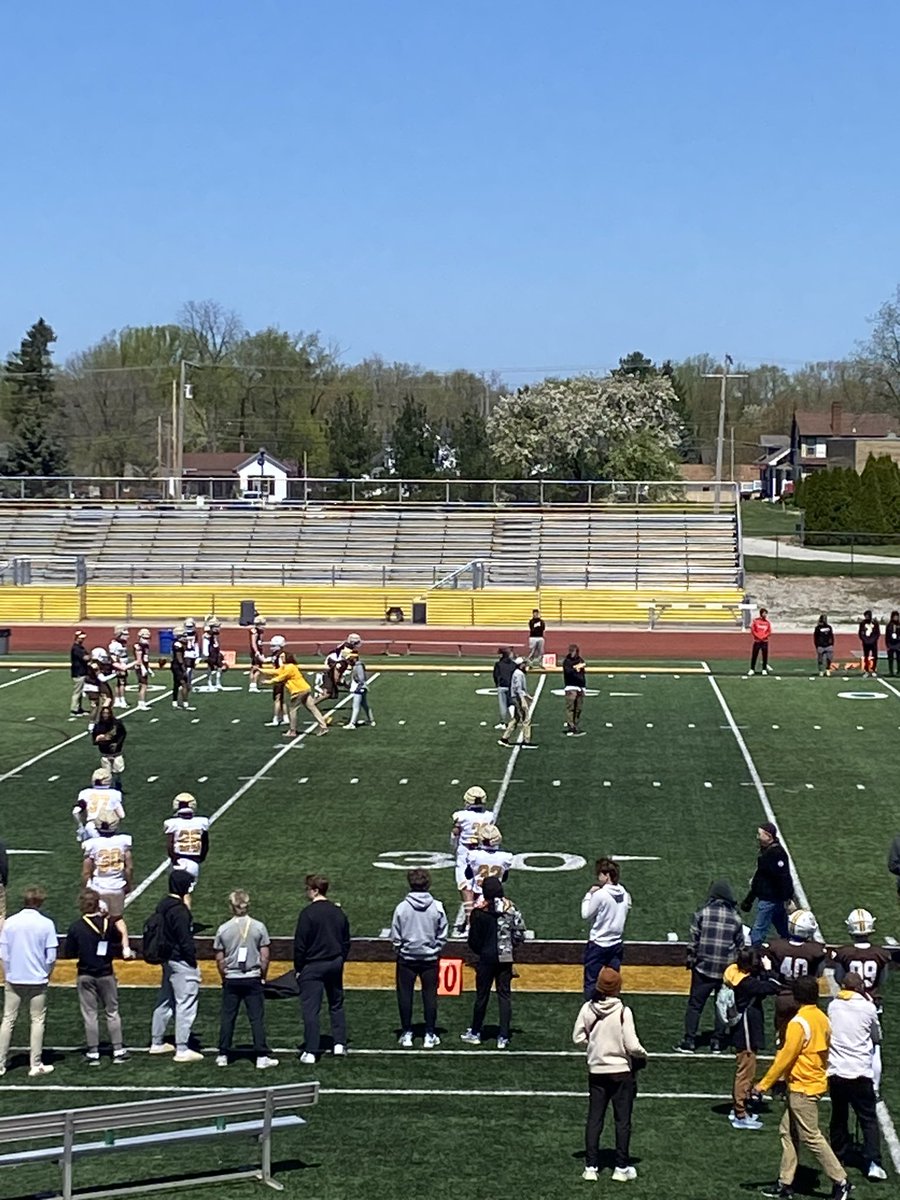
(157, 946)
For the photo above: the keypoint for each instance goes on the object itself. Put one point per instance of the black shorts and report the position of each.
(215, 661)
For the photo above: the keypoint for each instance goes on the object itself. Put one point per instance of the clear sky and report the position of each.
(484, 183)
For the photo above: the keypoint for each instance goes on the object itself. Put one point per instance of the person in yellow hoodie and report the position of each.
(802, 1062)
(299, 692)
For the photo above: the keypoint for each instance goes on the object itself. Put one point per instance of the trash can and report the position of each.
(166, 640)
(5, 635)
(418, 612)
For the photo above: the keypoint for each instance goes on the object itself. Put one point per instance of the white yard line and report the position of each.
(885, 1120)
(289, 745)
(507, 778)
(22, 678)
(884, 683)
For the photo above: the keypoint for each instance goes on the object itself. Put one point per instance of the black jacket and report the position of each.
(4, 865)
(503, 672)
(892, 635)
(78, 661)
(772, 880)
(179, 930)
(823, 636)
(749, 995)
(323, 933)
(869, 632)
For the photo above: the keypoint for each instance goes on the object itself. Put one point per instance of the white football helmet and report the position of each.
(100, 654)
(473, 796)
(184, 800)
(144, 635)
(121, 631)
(259, 621)
(860, 922)
(354, 639)
(802, 924)
(277, 642)
(189, 625)
(101, 777)
(490, 835)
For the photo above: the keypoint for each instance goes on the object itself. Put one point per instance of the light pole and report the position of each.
(181, 391)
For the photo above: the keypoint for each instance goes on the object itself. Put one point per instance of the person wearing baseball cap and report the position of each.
(772, 886)
(78, 661)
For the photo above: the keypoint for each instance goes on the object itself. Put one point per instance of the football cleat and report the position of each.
(474, 796)
(490, 835)
(184, 800)
(860, 922)
(802, 924)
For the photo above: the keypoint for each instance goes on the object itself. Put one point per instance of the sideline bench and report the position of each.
(254, 1113)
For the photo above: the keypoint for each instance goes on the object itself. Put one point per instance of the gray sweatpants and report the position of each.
(178, 996)
(94, 994)
(824, 657)
(503, 701)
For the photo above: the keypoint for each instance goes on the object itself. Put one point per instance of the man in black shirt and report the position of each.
(772, 886)
(78, 660)
(180, 988)
(109, 734)
(574, 682)
(321, 947)
(869, 633)
(95, 940)
(892, 643)
(503, 673)
(536, 627)
(823, 640)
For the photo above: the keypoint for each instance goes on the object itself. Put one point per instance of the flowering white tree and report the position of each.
(588, 427)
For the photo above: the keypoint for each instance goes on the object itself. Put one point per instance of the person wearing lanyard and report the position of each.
(94, 939)
(242, 957)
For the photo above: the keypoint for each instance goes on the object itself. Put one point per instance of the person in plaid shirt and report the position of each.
(717, 933)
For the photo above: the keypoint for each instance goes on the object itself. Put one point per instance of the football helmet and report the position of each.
(490, 835)
(121, 631)
(100, 654)
(189, 625)
(144, 635)
(277, 642)
(354, 639)
(860, 922)
(101, 777)
(802, 924)
(184, 800)
(259, 621)
(473, 796)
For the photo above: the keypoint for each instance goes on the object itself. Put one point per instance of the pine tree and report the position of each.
(413, 444)
(352, 439)
(30, 406)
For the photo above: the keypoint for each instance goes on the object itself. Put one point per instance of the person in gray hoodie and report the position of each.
(418, 931)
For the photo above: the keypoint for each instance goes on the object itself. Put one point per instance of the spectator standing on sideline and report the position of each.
(823, 640)
(717, 934)
(95, 940)
(772, 886)
(536, 629)
(321, 947)
(574, 685)
(520, 707)
(869, 633)
(419, 933)
(503, 673)
(28, 946)
(179, 991)
(801, 1062)
(359, 690)
(892, 643)
(241, 947)
(614, 1053)
(761, 631)
(606, 906)
(495, 930)
(751, 983)
(78, 661)
(855, 1032)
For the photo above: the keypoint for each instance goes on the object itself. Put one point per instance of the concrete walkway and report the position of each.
(768, 548)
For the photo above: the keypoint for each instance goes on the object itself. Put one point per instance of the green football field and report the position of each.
(678, 768)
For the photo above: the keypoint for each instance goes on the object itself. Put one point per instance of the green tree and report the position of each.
(31, 408)
(470, 446)
(352, 439)
(636, 364)
(413, 443)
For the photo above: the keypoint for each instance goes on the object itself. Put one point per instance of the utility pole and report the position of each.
(723, 376)
(181, 391)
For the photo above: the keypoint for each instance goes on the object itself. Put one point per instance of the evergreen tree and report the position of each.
(413, 444)
(869, 511)
(352, 439)
(30, 406)
(471, 448)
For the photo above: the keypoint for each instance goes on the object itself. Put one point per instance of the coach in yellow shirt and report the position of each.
(299, 691)
(801, 1063)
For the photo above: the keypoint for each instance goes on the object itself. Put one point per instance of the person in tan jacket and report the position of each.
(614, 1052)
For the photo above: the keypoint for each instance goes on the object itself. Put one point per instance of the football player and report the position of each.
(99, 803)
(181, 682)
(118, 653)
(275, 663)
(212, 652)
(191, 649)
(142, 669)
(257, 633)
(187, 837)
(465, 837)
(488, 858)
(107, 871)
(336, 663)
(799, 954)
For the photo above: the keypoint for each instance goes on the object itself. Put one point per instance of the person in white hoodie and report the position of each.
(606, 906)
(855, 1032)
(418, 931)
(614, 1053)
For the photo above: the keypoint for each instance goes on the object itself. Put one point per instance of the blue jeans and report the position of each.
(769, 912)
(595, 959)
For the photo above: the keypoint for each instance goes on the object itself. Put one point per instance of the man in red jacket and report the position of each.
(761, 629)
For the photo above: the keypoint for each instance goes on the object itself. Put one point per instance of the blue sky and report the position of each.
(484, 184)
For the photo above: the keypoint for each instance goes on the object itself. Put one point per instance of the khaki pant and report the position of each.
(521, 718)
(800, 1127)
(96, 994)
(77, 689)
(744, 1074)
(300, 700)
(114, 763)
(35, 995)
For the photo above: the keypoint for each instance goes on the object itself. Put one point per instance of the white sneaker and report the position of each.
(41, 1069)
(624, 1174)
(431, 1040)
(252, 688)
(161, 1048)
(875, 1172)
(189, 708)
(264, 1062)
(502, 1043)
(474, 1039)
(221, 1060)
(186, 1056)
(285, 720)
(591, 1174)
(175, 704)
(500, 726)
(349, 725)
(339, 1050)
(371, 724)
(405, 1040)
(274, 721)
(143, 705)
(308, 1060)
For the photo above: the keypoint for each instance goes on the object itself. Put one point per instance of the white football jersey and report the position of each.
(484, 862)
(187, 834)
(108, 856)
(190, 646)
(470, 822)
(118, 651)
(96, 804)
